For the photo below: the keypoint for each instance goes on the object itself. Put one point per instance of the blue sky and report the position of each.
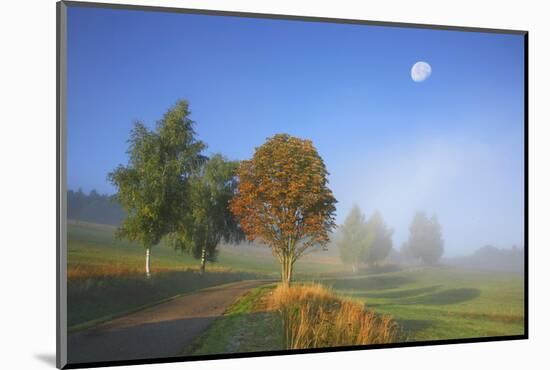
(451, 145)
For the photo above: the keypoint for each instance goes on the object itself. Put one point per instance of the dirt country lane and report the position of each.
(160, 331)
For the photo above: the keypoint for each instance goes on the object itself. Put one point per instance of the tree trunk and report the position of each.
(148, 262)
(286, 271)
(203, 260)
(283, 272)
(289, 271)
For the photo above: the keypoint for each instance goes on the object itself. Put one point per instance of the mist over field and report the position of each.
(463, 180)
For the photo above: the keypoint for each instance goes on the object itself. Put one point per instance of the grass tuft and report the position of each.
(246, 326)
(313, 316)
(124, 270)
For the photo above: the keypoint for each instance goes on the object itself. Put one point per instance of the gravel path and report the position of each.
(156, 332)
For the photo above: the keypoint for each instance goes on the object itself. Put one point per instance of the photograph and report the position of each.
(241, 184)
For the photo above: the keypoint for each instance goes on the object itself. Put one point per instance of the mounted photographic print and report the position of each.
(235, 184)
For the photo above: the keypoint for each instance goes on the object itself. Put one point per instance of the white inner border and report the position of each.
(27, 152)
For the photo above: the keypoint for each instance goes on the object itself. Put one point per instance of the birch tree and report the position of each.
(209, 221)
(153, 187)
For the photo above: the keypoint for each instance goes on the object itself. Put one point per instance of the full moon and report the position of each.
(420, 71)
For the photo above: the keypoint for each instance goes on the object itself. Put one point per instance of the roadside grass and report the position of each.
(246, 326)
(271, 318)
(314, 316)
(441, 302)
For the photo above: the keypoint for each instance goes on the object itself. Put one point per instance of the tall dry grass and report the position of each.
(314, 316)
(108, 270)
(89, 271)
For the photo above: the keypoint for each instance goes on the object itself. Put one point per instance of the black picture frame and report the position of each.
(61, 186)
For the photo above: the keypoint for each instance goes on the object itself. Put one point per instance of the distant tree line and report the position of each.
(369, 242)
(94, 207)
(492, 258)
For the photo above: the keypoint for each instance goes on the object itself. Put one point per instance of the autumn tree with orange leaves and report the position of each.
(283, 199)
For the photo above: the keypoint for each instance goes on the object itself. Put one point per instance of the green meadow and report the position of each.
(441, 302)
(429, 303)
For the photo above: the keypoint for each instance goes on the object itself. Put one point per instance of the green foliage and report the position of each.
(209, 220)
(353, 241)
(153, 188)
(379, 238)
(425, 240)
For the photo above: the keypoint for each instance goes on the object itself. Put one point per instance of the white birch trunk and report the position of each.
(203, 260)
(148, 262)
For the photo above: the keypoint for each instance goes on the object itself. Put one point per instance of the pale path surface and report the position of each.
(160, 331)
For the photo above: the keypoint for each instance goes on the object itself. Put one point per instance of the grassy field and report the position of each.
(93, 250)
(442, 302)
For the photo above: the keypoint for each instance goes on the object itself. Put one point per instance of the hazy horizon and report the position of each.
(452, 145)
